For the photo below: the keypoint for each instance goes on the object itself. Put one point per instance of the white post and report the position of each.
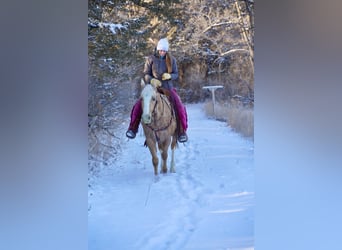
(212, 89)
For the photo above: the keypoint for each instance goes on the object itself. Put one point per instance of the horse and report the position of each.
(159, 124)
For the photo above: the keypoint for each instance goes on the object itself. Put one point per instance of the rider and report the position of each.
(160, 69)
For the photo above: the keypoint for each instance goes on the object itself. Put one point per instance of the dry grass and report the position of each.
(238, 117)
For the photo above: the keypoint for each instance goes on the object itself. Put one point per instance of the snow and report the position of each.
(207, 204)
(113, 27)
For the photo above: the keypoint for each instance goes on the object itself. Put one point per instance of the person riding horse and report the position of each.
(159, 70)
(160, 125)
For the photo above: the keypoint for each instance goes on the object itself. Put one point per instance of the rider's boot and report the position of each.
(182, 136)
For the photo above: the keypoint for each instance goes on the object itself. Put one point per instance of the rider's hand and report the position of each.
(155, 82)
(166, 76)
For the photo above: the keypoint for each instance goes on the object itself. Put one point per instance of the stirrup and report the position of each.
(130, 134)
(183, 138)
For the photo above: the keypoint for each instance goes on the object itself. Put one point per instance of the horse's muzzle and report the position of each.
(146, 119)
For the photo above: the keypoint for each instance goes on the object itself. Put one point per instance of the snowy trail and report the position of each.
(207, 204)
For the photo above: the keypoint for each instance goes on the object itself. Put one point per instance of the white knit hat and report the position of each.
(163, 44)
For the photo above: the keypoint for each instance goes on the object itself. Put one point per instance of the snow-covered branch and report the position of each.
(234, 51)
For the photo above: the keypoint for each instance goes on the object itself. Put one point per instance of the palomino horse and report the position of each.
(159, 124)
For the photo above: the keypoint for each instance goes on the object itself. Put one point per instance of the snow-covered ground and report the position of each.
(207, 204)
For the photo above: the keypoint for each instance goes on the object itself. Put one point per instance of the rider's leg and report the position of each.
(135, 120)
(182, 116)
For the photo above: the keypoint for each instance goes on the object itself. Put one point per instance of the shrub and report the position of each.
(238, 116)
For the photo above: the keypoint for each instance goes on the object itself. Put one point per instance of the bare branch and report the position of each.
(215, 25)
(234, 51)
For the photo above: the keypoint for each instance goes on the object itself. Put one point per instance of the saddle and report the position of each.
(164, 91)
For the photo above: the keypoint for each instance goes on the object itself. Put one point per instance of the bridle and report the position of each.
(154, 113)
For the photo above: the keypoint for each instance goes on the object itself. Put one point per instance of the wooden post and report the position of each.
(212, 89)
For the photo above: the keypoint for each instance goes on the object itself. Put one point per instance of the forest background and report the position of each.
(213, 42)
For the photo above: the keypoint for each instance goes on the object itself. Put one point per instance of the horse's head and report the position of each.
(149, 99)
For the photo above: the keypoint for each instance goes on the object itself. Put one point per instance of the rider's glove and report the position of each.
(155, 82)
(166, 76)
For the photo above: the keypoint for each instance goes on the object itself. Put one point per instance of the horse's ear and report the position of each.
(142, 83)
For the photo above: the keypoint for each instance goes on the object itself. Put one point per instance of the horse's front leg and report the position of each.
(153, 150)
(155, 162)
(164, 161)
(173, 147)
(172, 168)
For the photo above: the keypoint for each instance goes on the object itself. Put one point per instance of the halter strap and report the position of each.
(155, 130)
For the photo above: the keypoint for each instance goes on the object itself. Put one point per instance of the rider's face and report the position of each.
(162, 52)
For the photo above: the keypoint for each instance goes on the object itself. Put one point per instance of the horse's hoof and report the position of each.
(156, 178)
